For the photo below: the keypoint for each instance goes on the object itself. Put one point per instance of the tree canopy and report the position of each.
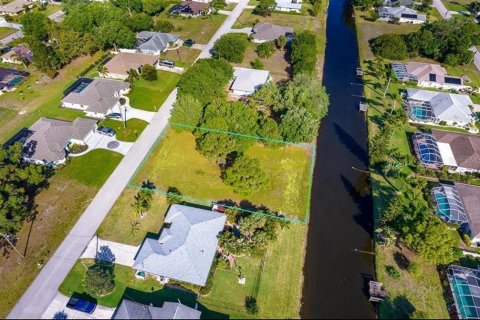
(246, 176)
(231, 47)
(304, 53)
(187, 110)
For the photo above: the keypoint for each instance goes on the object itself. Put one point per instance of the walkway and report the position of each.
(476, 57)
(110, 251)
(101, 141)
(57, 16)
(58, 307)
(44, 288)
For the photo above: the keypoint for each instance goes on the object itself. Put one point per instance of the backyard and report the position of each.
(58, 208)
(39, 96)
(175, 162)
(150, 95)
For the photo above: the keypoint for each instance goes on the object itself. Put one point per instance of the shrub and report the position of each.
(390, 46)
(266, 49)
(466, 238)
(256, 64)
(265, 8)
(251, 305)
(77, 148)
(246, 176)
(164, 26)
(231, 47)
(304, 53)
(414, 268)
(98, 280)
(392, 272)
(149, 72)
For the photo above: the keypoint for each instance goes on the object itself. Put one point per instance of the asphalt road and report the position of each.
(44, 288)
(442, 9)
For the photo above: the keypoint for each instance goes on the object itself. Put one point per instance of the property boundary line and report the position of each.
(280, 216)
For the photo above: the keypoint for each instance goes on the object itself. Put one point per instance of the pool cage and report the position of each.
(420, 111)
(465, 286)
(426, 150)
(401, 73)
(448, 204)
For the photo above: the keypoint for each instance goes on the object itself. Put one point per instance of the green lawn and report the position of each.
(93, 168)
(124, 277)
(278, 288)
(38, 96)
(5, 31)
(457, 5)
(134, 128)
(176, 163)
(200, 29)
(150, 95)
(183, 57)
(117, 225)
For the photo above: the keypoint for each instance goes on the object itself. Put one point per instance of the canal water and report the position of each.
(338, 265)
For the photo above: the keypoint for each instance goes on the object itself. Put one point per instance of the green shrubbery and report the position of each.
(231, 47)
(98, 280)
(304, 53)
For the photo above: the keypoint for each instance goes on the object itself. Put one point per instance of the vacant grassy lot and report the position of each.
(175, 162)
(118, 224)
(183, 57)
(200, 29)
(5, 31)
(134, 128)
(150, 95)
(457, 5)
(367, 30)
(58, 208)
(39, 96)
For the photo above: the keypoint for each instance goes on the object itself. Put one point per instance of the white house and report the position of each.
(288, 5)
(433, 107)
(403, 14)
(246, 81)
(47, 140)
(98, 98)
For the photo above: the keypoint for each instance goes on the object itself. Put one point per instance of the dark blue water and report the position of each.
(341, 210)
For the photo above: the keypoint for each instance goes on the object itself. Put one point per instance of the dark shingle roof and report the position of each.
(170, 310)
(470, 196)
(465, 147)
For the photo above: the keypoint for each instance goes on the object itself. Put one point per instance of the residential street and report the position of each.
(43, 290)
(476, 57)
(442, 9)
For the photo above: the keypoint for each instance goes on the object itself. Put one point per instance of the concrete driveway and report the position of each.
(59, 306)
(476, 57)
(110, 251)
(100, 141)
(11, 37)
(447, 15)
(133, 113)
(57, 16)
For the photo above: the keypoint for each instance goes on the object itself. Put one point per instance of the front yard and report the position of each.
(58, 208)
(133, 129)
(5, 31)
(150, 95)
(175, 162)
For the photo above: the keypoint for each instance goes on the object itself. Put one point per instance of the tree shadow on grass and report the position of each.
(169, 294)
(398, 308)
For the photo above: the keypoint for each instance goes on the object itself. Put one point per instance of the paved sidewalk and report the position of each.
(110, 251)
(44, 288)
(58, 306)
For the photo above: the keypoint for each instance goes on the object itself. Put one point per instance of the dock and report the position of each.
(377, 294)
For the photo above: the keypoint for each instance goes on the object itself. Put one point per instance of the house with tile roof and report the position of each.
(46, 141)
(121, 63)
(288, 5)
(246, 81)
(149, 42)
(264, 31)
(97, 98)
(403, 14)
(186, 246)
(169, 310)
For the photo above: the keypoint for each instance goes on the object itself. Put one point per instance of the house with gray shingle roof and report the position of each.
(98, 98)
(186, 246)
(149, 42)
(246, 81)
(264, 31)
(403, 14)
(47, 140)
(170, 310)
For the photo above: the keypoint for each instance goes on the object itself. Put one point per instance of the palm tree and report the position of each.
(132, 75)
(138, 208)
(135, 227)
(102, 70)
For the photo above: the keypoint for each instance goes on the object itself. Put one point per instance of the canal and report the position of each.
(338, 264)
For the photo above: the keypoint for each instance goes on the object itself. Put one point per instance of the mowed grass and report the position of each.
(124, 277)
(117, 226)
(39, 96)
(58, 207)
(133, 128)
(367, 30)
(183, 57)
(150, 95)
(200, 29)
(5, 31)
(277, 285)
(175, 162)
(93, 168)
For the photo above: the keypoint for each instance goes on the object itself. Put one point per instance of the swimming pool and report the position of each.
(421, 113)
